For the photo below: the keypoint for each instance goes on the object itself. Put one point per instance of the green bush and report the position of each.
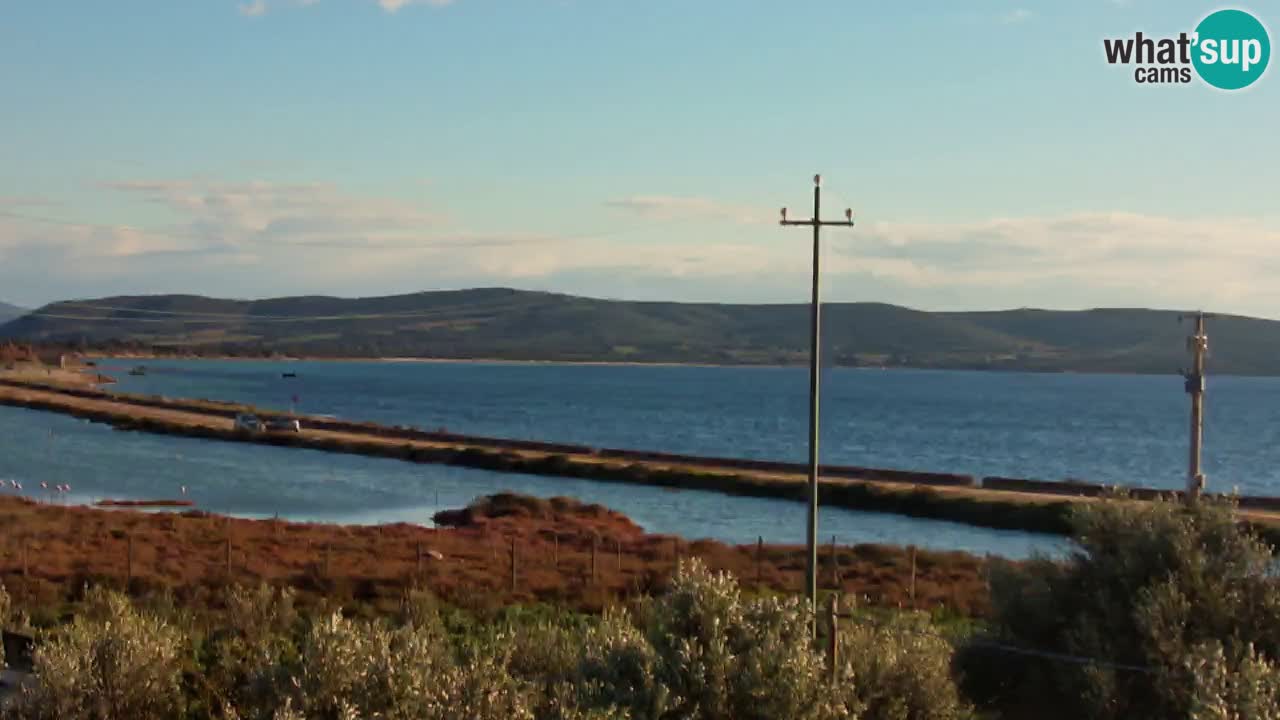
(901, 670)
(110, 662)
(4, 616)
(249, 661)
(701, 651)
(704, 652)
(1148, 592)
(1246, 687)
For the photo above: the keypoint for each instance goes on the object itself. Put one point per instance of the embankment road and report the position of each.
(1005, 503)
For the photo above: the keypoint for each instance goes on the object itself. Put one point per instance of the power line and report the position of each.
(1052, 655)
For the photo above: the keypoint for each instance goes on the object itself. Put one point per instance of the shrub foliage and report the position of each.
(1172, 609)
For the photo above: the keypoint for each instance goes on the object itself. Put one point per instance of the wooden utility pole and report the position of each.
(1198, 344)
(815, 332)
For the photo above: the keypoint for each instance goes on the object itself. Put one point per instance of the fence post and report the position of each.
(912, 550)
(128, 572)
(835, 565)
(227, 551)
(419, 558)
(513, 563)
(833, 645)
(759, 561)
(618, 545)
(555, 553)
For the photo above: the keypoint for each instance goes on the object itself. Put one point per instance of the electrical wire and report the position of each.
(1009, 648)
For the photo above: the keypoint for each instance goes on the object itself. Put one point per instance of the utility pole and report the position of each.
(1198, 344)
(815, 332)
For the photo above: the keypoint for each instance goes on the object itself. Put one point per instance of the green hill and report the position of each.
(520, 325)
(9, 312)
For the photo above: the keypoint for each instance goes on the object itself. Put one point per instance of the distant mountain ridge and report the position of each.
(9, 312)
(499, 323)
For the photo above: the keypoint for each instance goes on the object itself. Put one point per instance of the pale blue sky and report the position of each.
(627, 148)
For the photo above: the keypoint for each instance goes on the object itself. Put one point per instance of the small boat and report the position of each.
(139, 370)
(288, 375)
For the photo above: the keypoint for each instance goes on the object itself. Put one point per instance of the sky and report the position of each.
(629, 149)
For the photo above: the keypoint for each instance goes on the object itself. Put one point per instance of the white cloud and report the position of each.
(1015, 16)
(253, 239)
(257, 8)
(671, 207)
(261, 213)
(392, 6)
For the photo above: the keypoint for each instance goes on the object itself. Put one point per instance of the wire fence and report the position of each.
(582, 568)
(578, 565)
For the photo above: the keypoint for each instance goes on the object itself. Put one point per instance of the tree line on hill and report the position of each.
(509, 324)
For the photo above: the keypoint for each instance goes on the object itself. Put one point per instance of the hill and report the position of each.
(9, 312)
(520, 325)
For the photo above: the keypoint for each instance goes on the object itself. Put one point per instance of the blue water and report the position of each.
(1105, 428)
(1120, 429)
(261, 481)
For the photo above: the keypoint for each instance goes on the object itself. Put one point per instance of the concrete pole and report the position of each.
(1199, 345)
(815, 335)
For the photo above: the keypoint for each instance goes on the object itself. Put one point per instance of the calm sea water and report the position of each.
(261, 481)
(1106, 428)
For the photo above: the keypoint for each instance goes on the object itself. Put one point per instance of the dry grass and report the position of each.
(49, 552)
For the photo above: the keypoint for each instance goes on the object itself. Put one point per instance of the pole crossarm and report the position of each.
(820, 223)
(815, 317)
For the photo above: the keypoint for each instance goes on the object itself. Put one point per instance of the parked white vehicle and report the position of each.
(250, 423)
(284, 424)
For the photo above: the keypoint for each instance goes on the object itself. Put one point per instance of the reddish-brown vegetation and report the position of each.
(48, 553)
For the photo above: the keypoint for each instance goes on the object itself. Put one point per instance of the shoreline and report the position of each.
(433, 360)
(999, 503)
(633, 363)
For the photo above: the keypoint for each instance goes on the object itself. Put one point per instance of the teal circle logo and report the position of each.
(1232, 49)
